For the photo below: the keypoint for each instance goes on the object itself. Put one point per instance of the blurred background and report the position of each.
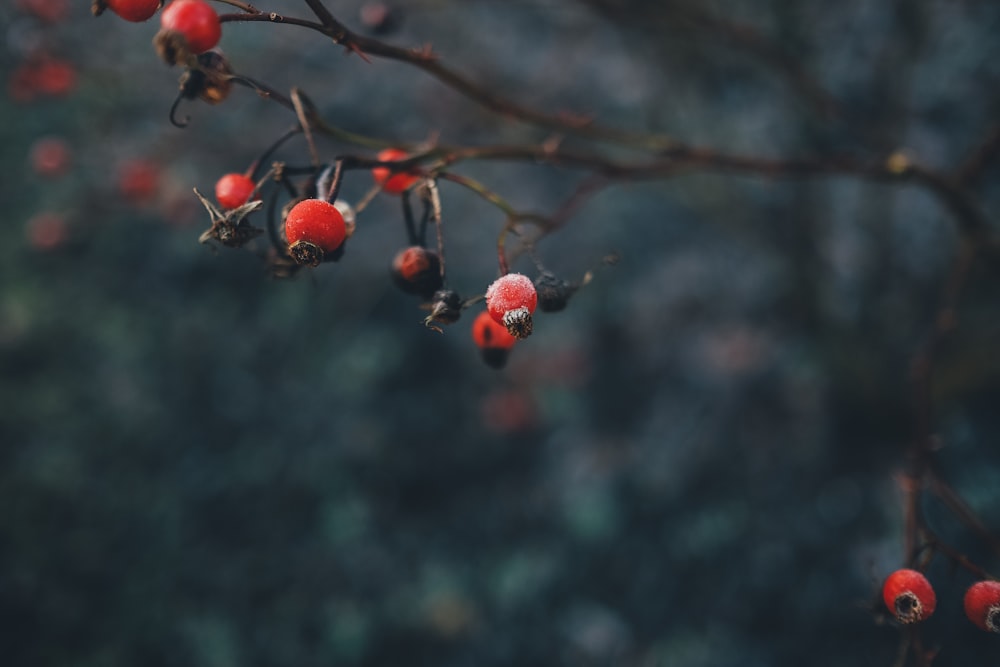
(694, 464)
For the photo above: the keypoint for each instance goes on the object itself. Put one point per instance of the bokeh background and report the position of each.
(693, 465)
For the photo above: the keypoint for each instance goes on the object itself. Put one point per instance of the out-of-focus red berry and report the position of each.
(138, 180)
(417, 270)
(55, 77)
(508, 411)
(51, 11)
(46, 231)
(50, 157)
(393, 183)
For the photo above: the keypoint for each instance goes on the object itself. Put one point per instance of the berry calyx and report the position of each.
(909, 596)
(196, 21)
(982, 605)
(234, 190)
(492, 339)
(315, 229)
(393, 183)
(416, 270)
(510, 301)
(135, 11)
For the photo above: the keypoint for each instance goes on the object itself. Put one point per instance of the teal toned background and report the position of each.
(693, 465)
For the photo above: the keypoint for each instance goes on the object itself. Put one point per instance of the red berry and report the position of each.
(982, 605)
(314, 228)
(134, 10)
(138, 180)
(55, 77)
(909, 596)
(392, 183)
(50, 157)
(511, 300)
(417, 270)
(195, 20)
(51, 11)
(46, 231)
(492, 339)
(234, 190)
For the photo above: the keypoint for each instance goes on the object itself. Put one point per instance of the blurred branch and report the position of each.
(685, 18)
(979, 159)
(425, 59)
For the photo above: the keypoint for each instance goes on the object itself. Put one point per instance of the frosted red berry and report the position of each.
(510, 301)
(196, 21)
(417, 270)
(393, 183)
(134, 10)
(982, 605)
(909, 596)
(234, 190)
(492, 339)
(314, 229)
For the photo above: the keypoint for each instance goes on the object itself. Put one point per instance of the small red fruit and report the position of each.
(55, 77)
(196, 21)
(909, 596)
(314, 229)
(51, 11)
(492, 339)
(234, 190)
(417, 270)
(50, 157)
(511, 300)
(47, 231)
(982, 605)
(138, 180)
(392, 183)
(135, 11)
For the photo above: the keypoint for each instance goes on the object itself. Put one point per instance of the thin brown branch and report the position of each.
(963, 512)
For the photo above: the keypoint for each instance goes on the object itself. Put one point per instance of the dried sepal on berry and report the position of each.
(446, 307)
(209, 79)
(982, 605)
(230, 228)
(909, 596)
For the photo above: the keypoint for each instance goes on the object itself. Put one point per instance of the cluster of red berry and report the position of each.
(314, 226)
(911, 599)
(315, 230)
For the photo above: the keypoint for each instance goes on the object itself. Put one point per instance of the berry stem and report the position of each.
(435, 202)
(338, 178)
(482, 191)
(411, 230)
(299, 101)
(253, 171)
